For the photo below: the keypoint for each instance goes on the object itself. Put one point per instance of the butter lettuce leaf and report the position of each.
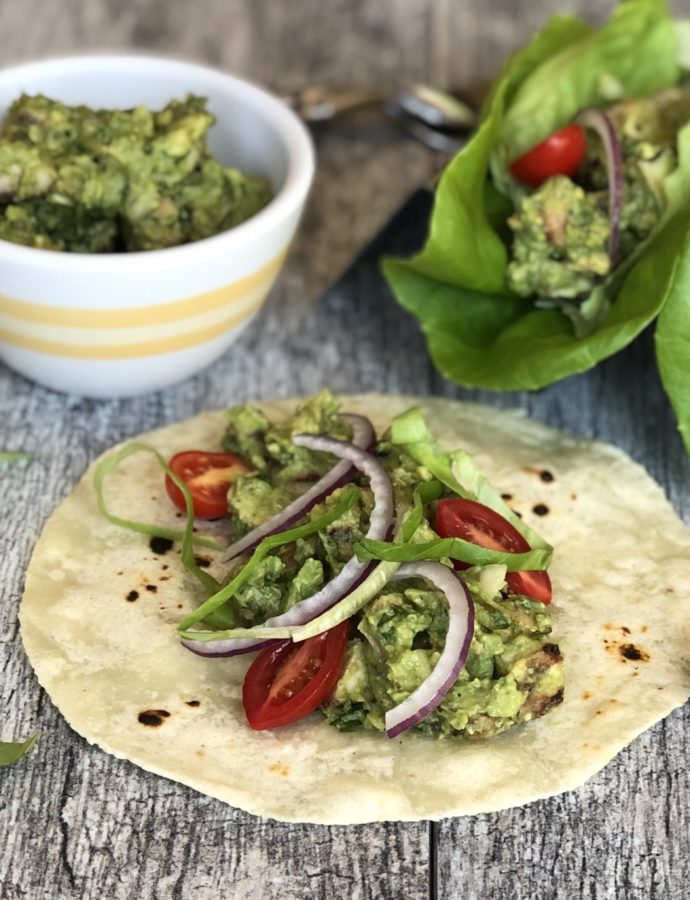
(464, 248)
(683, 38)
(672, 341)
(633, 55)
(504, 343)
(478, 333)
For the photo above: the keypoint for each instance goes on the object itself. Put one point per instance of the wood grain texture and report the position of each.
(78, 824)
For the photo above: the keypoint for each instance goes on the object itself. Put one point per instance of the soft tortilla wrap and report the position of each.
(113, 665)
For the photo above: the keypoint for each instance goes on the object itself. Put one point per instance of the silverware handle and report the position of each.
(320, 104)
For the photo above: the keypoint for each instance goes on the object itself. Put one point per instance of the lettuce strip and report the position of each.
(8, 456)
(343, 609)
(454, 548)
(106, 466)
(187, 537)
(423, 493)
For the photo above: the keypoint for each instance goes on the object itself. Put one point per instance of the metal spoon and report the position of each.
(436, 118)
(316, 103)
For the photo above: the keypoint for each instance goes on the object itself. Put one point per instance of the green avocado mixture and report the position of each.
(101, 181)
(514, 672)
(561, 231)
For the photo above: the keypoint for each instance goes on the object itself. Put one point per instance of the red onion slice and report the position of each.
(600, 122)
(431, 692)
(363, 436)
(225, 649)
(352, 573)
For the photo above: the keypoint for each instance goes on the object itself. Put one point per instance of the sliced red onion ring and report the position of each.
(363, 436)
(352, 573)
(431, 692)
(600, 122)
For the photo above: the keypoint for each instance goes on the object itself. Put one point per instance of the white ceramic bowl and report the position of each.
(113, 325)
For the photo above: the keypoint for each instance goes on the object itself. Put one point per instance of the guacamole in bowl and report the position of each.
(107, 180)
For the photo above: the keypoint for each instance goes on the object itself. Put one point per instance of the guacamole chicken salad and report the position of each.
(386, 593)
(325, 611)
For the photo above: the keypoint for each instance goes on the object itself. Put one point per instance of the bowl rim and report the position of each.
(296, 139)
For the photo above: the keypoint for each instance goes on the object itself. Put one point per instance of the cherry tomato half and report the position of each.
(560, 154)
(208, 477)
(472, 521)
(288, 681)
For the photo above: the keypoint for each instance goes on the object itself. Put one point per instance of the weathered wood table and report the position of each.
(75, 823)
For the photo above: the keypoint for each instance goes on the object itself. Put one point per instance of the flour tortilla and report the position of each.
(621, 617)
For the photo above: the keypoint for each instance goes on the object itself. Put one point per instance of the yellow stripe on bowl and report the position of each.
(120, 337)
(181, 340)
(154, 314)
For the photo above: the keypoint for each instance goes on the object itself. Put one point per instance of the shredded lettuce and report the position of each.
(344, 609)
(106, 466)
(456, 470)
(423, 493)
(221, 597)
(350, 605)
(339, 612)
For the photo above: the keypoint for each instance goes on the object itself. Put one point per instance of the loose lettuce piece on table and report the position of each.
(478, 333)
(11, 752)
(8, 456)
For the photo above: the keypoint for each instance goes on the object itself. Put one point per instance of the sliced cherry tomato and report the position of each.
(534, 584)
(208, 477)
(560, 154)
(288, 681)
(472, 521)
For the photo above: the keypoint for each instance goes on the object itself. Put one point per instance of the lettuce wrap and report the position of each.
(479, 332)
